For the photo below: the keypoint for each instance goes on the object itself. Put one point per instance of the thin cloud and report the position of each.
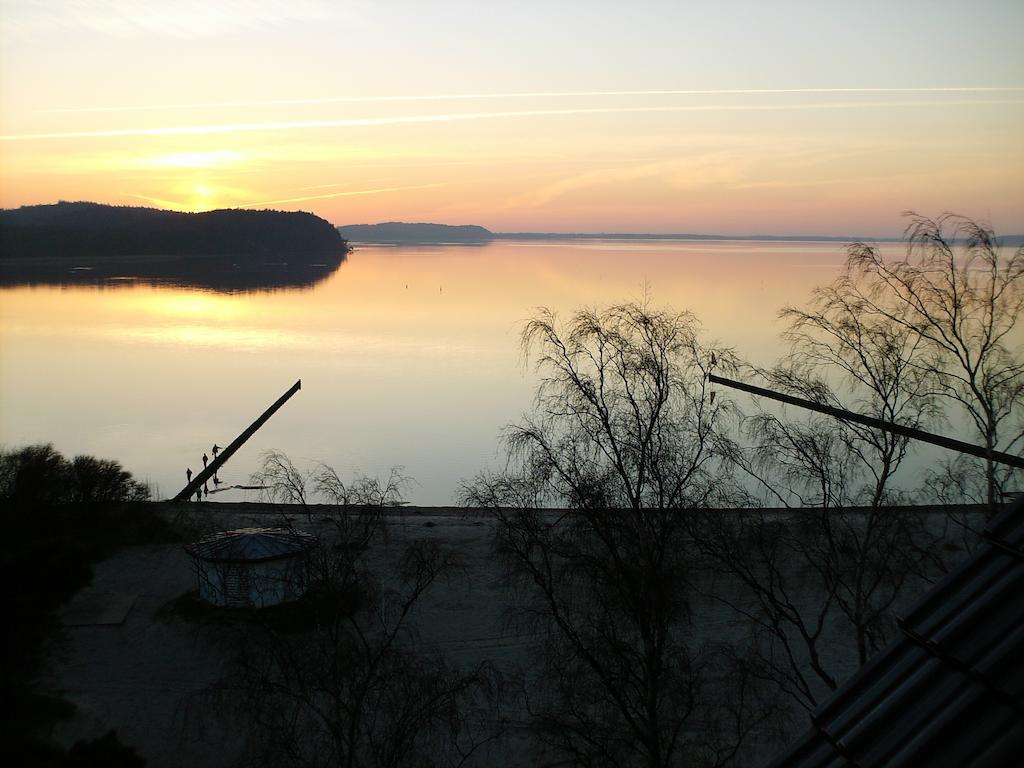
(466, 116)
(526, 94)
(186, 19)
(351, 193)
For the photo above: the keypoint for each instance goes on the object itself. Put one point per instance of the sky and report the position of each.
(733, 117)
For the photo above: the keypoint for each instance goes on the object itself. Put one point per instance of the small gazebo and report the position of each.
(252, 567)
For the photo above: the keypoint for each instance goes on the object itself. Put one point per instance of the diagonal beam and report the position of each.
(198, 480)
(840, 413)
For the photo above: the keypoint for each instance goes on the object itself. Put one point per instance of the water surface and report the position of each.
(408, 356)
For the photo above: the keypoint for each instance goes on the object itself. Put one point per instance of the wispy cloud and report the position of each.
(194, 130)
(350, 193)
(529, 94)
(735, 164)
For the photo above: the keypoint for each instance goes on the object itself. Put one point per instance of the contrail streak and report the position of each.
(192, 130)
(337, 194)
(528, 94)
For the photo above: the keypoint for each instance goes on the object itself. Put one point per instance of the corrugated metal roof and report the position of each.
(251, 545)
(950, 690)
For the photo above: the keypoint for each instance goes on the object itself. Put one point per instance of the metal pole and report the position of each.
(840, 413)
(211, 469)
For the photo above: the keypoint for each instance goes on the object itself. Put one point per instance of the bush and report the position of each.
(39, 474)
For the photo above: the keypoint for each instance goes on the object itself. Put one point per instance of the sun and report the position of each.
(203, 197)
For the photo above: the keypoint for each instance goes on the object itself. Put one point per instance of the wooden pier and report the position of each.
(199, 480)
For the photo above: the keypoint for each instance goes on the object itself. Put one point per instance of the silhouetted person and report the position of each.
(199, 495)
(205, 459)
(188, 474)
(216, 450)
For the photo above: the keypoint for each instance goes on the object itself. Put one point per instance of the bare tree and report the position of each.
(837, 343)
(845, 554)
(356, 690)
(354, 510)
(623, 416)
(280, 481)
(354, 687)
(961, 295)
(817, 588)
(591, 522)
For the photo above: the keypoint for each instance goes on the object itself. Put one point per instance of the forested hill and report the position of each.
(81, 229)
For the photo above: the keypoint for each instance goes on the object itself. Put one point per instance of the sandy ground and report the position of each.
(127, 665)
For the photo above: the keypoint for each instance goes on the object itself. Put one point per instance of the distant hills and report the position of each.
(224, 250)
(397, 232)
(394, 232)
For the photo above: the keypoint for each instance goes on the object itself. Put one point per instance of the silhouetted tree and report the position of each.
(103, 480)
(354, 509)
(961, 296)
(40, 475)
(845, 554)
(839, 347)
(356, 689)
(816, 588)
(622, 440)
(35, 474)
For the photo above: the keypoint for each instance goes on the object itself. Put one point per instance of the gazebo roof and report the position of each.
(251, 545)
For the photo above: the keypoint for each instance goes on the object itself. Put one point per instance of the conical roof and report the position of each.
(250, 545)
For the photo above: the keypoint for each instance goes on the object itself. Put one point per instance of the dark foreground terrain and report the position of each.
(139, 653)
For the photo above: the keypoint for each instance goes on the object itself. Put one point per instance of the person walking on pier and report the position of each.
(188, 474)
(205, 459)
(216, 450)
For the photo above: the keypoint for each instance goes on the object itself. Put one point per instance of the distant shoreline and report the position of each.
(423, 233)
(687, 236)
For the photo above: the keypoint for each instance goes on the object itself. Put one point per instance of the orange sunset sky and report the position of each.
(733, 117)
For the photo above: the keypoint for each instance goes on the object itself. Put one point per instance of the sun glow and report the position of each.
(193, 159)
(194, 196)
(358, 114)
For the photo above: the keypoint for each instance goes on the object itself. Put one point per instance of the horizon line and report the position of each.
(539, 234)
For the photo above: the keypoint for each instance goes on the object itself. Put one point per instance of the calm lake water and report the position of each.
(408, 356)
